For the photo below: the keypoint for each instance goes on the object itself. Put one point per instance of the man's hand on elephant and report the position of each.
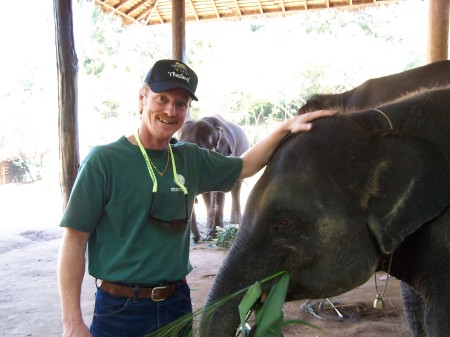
(303, 122)
(259, 154)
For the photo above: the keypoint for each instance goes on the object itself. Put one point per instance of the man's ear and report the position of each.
(142, 93)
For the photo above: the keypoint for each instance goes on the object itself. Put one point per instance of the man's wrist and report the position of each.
(73, 318)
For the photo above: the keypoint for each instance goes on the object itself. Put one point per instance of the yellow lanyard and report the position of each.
(150, 169)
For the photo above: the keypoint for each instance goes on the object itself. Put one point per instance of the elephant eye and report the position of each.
(284, 224)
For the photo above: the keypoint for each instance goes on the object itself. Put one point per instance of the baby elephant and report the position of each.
(222, 136)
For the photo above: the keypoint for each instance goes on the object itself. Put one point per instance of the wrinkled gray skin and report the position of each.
(334, 203)
(372, 93)
(375, 91)
(225, 137)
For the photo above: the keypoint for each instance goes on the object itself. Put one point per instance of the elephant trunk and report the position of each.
(224, 321)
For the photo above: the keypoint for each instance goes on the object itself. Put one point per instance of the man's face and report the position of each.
(163, 113)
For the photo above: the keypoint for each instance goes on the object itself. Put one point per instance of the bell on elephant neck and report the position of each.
(378, 303)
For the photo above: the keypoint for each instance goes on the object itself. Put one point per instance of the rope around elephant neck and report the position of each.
(385, 116)
(380, 296)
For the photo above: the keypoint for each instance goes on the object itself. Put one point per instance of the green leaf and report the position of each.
(250, 298)
(269, 319)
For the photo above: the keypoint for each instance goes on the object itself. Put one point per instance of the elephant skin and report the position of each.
(334, 204)
(225, 137)
(375, 91)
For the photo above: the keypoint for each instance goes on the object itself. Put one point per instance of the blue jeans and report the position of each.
(127, 317)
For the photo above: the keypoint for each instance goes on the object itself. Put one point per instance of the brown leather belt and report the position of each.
(156, 293)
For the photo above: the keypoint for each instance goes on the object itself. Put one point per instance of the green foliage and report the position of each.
(255, 72)
(226, 235)
(269, 315)
(25, 170)
(93, 66)
(20, 170)
(269, 318)
(248, 303)
(109, 109)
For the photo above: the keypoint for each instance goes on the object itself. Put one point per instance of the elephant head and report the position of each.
(208, 136)
(227, 138)
(376, 91)
(333, 202)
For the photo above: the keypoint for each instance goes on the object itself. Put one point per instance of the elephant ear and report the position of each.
(409, 186)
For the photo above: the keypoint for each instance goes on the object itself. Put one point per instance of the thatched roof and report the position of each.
(153, 12)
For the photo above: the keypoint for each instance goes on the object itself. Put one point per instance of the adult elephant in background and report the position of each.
(225, 137)
(346, 199)
(375, 91)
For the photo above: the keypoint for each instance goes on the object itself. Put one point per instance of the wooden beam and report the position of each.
(238, 8)
(149, 12)
(213, 3)
(260, 7)
(438, 29)
(178, 30)
(136, 7)
(194, 10)
(120, 4)
(111, 8)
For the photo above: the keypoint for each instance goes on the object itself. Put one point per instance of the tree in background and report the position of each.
(253, 71)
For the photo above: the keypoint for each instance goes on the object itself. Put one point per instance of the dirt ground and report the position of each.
(29, 303)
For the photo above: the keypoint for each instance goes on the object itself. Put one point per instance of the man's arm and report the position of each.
(255, 158)
(71, 266)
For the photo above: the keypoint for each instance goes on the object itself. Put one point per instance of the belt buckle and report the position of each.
(153, 294)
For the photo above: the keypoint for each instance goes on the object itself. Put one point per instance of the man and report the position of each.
(130, 208)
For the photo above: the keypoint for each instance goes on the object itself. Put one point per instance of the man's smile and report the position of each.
(165, 121)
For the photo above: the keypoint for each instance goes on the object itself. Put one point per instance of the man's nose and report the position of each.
(170, 109)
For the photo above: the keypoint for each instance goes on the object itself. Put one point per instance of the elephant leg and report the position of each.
(219, 205)
(235, 217)
(208, 199)
(413, 309)
(194, 227)
(215, 214)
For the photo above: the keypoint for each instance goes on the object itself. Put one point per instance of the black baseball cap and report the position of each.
(171, 74)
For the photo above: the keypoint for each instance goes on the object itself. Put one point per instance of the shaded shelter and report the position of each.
(177, 13)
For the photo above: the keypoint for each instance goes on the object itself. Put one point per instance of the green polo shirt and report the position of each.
(111, 199)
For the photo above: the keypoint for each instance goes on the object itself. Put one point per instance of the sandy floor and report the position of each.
(29, 303)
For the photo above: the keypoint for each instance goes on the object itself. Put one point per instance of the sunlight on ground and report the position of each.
(29, 206)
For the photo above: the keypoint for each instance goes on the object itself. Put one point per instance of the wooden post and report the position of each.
(438, 30)
(179, 33)
(178, 30)
(67, 69)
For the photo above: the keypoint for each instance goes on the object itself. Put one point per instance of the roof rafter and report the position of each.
(213, 3)
(153, 12)
(237, 7)
(260, 7)
(136, 7)
(194, 10)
